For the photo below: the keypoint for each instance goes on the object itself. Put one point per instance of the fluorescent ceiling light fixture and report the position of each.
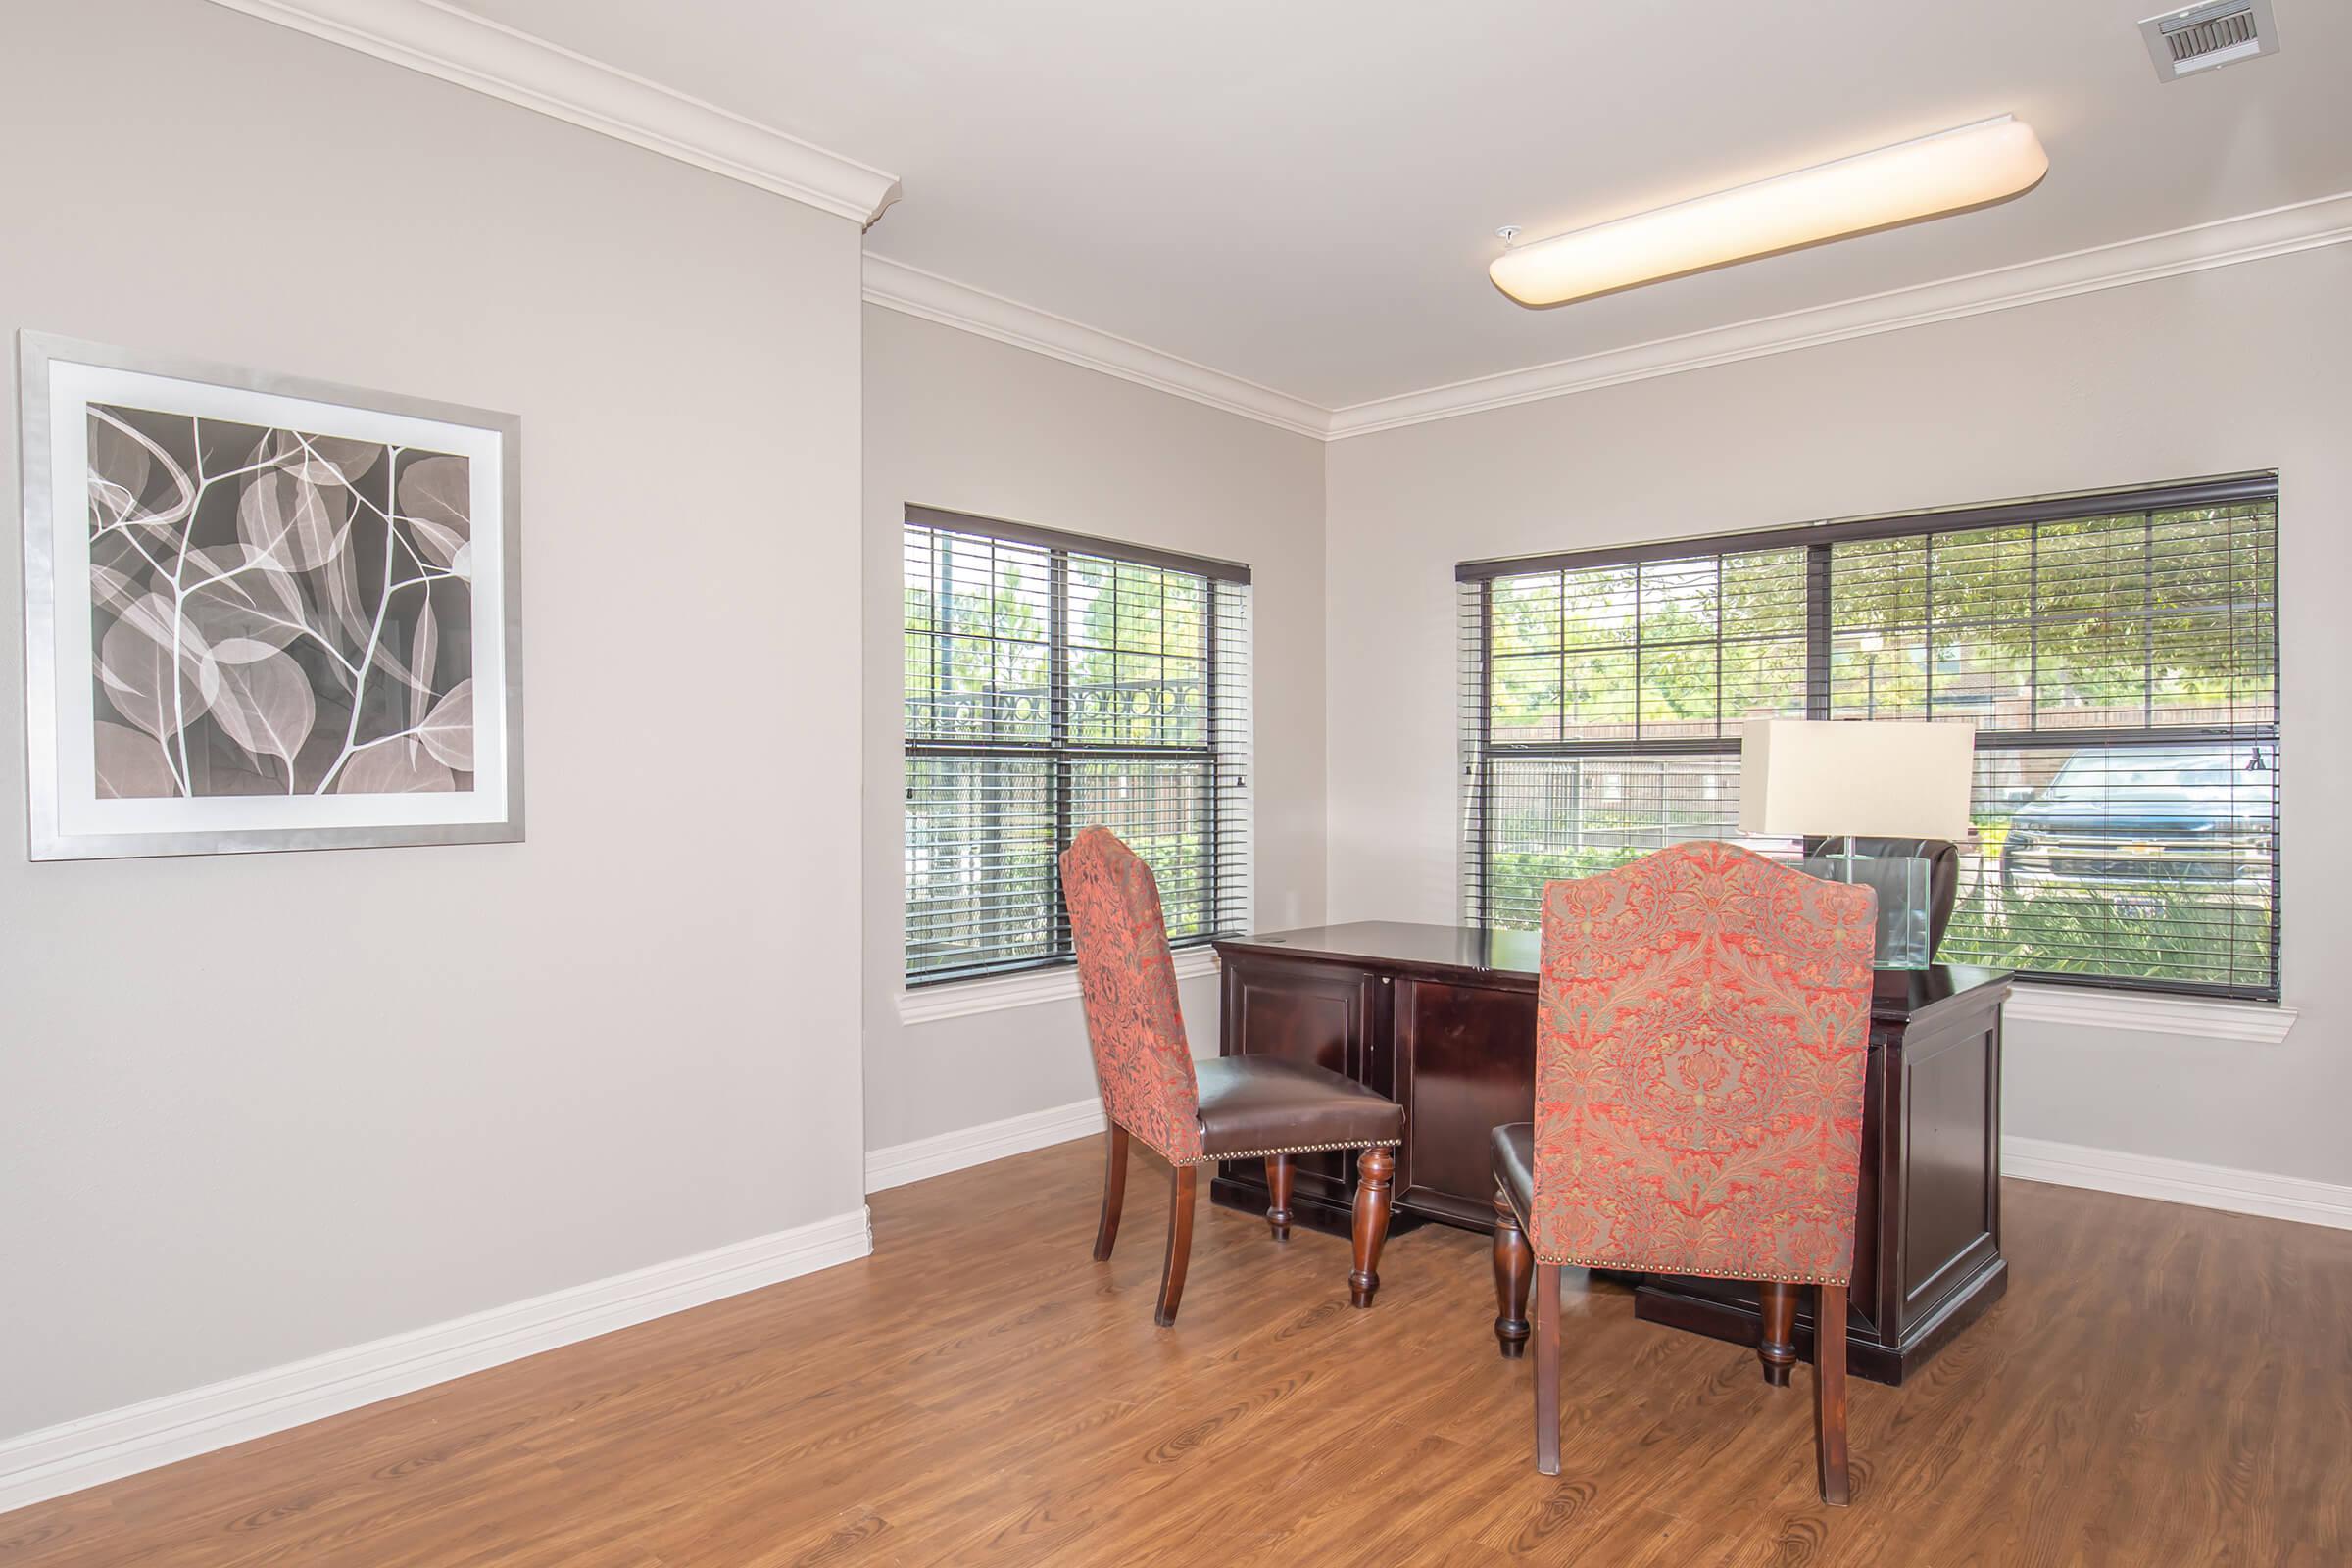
(1940, 173)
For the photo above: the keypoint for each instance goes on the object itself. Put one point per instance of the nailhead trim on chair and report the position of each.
(1632, 1268)
(1301, 1149)
(1623, 1267)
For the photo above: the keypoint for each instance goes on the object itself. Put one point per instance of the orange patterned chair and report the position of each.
(1702, 1027)
(1229, 1108)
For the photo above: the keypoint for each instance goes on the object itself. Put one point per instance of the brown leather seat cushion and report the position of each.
(1515, 1164)
(1254, 1103)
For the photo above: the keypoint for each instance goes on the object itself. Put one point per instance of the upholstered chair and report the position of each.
(1227, 1107)
(1703, 1023)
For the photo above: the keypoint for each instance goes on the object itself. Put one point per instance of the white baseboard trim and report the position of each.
(2032, 1159)
(114, 1443)
(2179, 1181)
(926, 1157)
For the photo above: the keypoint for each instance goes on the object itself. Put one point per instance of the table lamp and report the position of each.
(1824, 779)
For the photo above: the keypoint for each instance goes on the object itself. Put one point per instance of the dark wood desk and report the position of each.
(1442, 1019)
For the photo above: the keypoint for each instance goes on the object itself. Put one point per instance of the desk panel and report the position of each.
(1444, 1020)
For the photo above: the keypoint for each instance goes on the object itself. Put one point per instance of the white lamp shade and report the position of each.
(1877, 779)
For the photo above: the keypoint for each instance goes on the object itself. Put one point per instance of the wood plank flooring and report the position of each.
(2162, 1385)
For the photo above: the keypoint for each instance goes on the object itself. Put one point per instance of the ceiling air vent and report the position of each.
(2184, 43)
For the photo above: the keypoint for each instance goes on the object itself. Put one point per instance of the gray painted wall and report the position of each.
(957, 421)
(257, 1107)
(584, 1054)
(2247, 367)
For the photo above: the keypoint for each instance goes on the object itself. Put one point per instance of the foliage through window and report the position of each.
(1052, 682)
(2118, 655)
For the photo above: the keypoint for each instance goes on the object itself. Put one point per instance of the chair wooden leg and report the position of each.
(1829, 1392)
(1373, 1171)
(1180, 1246)
(1513, 1262)
(1114, 1189)
(1278, 1195)
(1548, 1368)
(1777, 1347)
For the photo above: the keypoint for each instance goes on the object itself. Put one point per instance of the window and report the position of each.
(1052, 682)
(2118, 653)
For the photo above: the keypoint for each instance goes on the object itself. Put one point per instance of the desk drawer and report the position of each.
(1465, 1064)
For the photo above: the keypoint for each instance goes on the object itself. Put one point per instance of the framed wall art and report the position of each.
(263, 612)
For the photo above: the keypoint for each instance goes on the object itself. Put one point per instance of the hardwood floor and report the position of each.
(2163, 1385)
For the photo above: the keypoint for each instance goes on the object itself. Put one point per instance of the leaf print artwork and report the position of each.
(275, 611)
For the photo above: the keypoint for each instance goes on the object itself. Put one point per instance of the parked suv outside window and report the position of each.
(2170, 818)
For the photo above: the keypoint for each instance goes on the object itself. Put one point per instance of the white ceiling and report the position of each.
(1302, 193)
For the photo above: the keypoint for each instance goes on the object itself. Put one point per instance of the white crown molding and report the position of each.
(897, 287)
(962, 998)
(926, 1157)
(2253, 237)
(2179, 1181)
(2142, 1013)
(474, 52)
(114, 1443)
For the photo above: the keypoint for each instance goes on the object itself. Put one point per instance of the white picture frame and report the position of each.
(262, 613)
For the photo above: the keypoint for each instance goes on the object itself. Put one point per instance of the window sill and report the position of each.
(2187, 1017)
(963, 999)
